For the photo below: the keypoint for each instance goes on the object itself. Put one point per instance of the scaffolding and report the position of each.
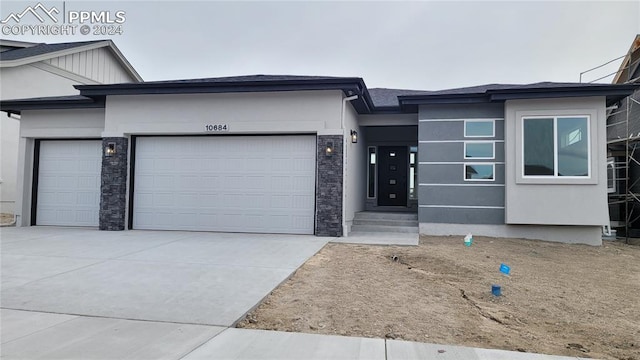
(623, 149)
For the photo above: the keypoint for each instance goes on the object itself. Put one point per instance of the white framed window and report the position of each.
(556, 147)
(479, 128)
(611, 175)
(479, 150)
(479, 171)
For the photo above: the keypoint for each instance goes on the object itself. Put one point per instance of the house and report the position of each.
(623, 139)
(305, 154)
(29, 70)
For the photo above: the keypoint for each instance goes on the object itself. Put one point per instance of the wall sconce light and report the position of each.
(110, 150)
(329, 149)
(354, 136)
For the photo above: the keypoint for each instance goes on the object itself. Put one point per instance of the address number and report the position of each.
(216, 127)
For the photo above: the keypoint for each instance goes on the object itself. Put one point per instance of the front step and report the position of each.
(370, 215)
(384, 228)
(357, 221)
(372, 222)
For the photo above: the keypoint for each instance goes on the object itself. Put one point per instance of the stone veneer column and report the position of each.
(114, 185)
(329, 187)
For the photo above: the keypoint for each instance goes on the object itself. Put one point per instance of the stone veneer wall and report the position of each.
(329, 187)
(114, 185)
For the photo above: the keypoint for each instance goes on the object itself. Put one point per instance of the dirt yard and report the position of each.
(6, 218)
(572, 300)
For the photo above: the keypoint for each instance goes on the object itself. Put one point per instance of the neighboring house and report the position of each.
(305, 154)
(623, 137)
(30, 70)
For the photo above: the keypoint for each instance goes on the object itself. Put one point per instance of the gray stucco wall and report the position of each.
(443, 194)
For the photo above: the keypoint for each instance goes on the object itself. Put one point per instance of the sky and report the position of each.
(426, 45)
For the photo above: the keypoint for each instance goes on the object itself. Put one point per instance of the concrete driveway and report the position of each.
(166, 276)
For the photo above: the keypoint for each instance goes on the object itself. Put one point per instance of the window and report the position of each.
(479, 172)
(556, 146)
(413, 172)
(479, 128)
(372, 173)
(479, 150)
(611, 175)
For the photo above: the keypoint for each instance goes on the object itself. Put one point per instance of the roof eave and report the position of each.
(17, 106)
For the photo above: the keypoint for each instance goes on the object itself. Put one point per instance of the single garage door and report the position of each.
(260, 184)
(68, 182)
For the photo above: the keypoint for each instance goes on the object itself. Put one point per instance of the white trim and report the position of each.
(493, 128)
(464, 171)
(461, 207)
(555, 147)
(453, 141)
(440, 120)
(468, 184)
(493, 149)
(459, 162)
(611, 161)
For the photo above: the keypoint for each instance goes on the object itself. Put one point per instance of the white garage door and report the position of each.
(225, 183)
(69, 183)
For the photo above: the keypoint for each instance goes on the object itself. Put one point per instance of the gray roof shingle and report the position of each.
(41, 49)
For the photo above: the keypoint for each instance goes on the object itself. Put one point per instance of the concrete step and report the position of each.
(385, 222)
(384, 228)
(370, 215)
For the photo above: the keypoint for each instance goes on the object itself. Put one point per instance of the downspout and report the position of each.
(344, 163)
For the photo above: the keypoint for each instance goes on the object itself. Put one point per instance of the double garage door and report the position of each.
(217, 183)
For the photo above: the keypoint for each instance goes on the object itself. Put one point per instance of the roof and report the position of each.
(376, 100)
(39, 52)
(40, 49)
(502, 92)
(383, 97)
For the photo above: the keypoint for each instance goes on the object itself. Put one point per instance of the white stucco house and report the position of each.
(307, 154)
(29, 70)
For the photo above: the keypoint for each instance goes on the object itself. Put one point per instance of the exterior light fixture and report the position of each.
(354, 136)
(329, 149)
(110, 150)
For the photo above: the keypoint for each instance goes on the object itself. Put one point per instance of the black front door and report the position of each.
(392, 176)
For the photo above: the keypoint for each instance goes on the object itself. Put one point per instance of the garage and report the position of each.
(263, 184)
(68, 182)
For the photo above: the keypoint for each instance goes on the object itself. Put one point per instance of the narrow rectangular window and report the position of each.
(372, 173)
(479, 172)
(413, 173)
(611, 175)
(479, 128)
(479, 150)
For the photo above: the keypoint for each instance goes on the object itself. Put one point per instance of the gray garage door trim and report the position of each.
(230, 183)
(66, 193)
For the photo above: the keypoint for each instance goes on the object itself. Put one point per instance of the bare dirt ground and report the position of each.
(572, 300)
(6, 218)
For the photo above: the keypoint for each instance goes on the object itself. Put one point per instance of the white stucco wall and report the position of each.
(48, 124)
(355, 181)
(268, 112)
(556, 201)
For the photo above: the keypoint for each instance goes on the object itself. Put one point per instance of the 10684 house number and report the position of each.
(216, 127)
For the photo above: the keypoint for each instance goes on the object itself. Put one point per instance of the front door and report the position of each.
(392, 176)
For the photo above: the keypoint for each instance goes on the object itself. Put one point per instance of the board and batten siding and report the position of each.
(98, 64)
(444, 195)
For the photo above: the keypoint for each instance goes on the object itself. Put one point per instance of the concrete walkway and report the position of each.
(36, 335)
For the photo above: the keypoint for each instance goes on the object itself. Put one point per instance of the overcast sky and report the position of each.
(396, 44)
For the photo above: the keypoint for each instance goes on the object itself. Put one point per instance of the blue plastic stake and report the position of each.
(505, 269)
